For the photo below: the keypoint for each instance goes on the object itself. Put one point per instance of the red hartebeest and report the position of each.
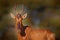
(27, 33)
(19, 26)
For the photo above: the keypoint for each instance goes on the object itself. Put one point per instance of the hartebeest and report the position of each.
(19, 26)
(27, 33)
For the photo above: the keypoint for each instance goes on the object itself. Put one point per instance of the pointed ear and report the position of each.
(12, 16)
(24, 16)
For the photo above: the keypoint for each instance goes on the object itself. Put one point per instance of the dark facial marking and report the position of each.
(22, 29)
(19, 25)
(18, 15)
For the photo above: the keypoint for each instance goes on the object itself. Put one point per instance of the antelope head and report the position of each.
(18, 17)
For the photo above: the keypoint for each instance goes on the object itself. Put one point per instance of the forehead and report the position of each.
(18, 15)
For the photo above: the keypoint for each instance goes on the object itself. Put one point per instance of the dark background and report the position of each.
(41, 14)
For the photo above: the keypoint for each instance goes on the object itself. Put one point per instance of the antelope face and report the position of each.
(18, 17)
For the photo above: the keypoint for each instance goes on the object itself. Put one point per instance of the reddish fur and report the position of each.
(40, 34)
(35, 34)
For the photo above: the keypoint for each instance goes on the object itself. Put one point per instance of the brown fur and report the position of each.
(32, 34)
(40, 34)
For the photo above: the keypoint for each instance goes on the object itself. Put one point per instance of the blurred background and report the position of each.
(42, 14)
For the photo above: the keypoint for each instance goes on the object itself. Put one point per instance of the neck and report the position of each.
(19, 26)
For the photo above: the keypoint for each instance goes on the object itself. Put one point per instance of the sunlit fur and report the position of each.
(33, 34)
(41, 34)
